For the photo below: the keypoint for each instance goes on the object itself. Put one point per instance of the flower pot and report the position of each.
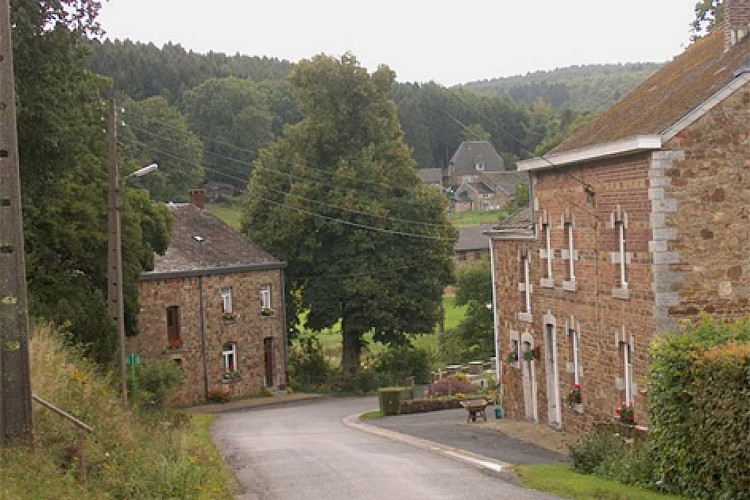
(498, 412)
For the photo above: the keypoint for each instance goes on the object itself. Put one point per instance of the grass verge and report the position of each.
(131, 454)
(370, 415)
(564, 481)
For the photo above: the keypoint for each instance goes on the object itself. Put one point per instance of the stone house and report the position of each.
(638, 222)
(478, 176)
(472, 244)
(214, 304)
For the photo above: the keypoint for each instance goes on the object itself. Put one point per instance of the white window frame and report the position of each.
(229, 356)
(627, 360)
(548, 243)
(575, 339)
(226, 300)
(265, 296)
(571, 252)
(620, 226)
(527, 283)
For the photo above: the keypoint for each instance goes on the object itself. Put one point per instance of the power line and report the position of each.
(326, 217)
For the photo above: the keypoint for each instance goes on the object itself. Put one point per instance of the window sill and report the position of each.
(570, 286)
(547, 283)
(621, 293)
(576, 407)
(524, 316)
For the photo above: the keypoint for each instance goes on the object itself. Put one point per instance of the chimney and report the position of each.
(198, 198)
(736, 21)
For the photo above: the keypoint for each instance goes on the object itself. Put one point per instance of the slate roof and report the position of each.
(471, 238)
(431, 175)
(668, 95)
(470, 153)
(505, 181)
(203, 244)
(520, 219)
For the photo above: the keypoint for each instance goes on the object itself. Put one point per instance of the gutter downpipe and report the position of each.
(203, 335)
(495, 319)
(284, 327)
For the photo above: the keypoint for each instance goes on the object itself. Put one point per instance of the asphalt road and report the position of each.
(303, 451)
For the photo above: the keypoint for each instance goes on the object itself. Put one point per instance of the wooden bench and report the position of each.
(475, 408)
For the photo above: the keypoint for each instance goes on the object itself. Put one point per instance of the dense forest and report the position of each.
(592, 87)
(236, 105)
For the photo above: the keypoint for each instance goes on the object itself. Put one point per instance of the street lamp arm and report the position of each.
(143, 170)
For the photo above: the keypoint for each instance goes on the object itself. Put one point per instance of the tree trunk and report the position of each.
(351, 352)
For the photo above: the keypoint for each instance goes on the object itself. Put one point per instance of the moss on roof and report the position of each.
(668, 95)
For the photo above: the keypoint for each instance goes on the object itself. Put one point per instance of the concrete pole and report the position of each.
(15, 378)
(114, 248)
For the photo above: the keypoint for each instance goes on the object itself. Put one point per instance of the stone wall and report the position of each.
(247, 329)
(710, 227)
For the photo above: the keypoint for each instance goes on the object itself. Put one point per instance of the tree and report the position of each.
(473, 338)
(156, 132)
(64, 175)
(708, 15)
(231, 117)
(338, 198)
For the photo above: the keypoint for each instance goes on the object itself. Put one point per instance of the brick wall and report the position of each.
(248, 330)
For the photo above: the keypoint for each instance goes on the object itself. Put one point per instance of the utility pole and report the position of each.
(15, 379)
(114, 248)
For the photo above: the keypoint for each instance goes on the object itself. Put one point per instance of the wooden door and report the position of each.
(268, 360)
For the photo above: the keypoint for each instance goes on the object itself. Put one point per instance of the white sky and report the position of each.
(422, 40)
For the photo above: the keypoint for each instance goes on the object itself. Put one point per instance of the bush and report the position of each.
(449, 386)
(390, 399)
(396, 363)
(219, 396)
(361, 382)
(156, 381)
(308, 366)
(596, 448)
(720, 419)
(678, 449)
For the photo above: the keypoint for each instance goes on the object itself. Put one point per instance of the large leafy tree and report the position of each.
(231, 116)
(157, 132)
(339, 199)
(64, 176)
(708, 15)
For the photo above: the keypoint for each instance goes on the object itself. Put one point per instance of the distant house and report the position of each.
(472, 244)
(477, 176)
(214, 305)
(215, 191)
(637, 222)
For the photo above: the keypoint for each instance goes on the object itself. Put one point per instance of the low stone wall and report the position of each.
(427, 404)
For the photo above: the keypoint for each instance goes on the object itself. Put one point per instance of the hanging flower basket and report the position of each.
(528, 356)
(625, 414)
(512, 357)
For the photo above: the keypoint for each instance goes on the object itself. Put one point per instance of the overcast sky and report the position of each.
(422, 40)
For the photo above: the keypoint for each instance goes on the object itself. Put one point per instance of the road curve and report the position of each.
(303, 451)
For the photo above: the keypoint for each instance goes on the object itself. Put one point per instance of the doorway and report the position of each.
(268, 360)
(529, 378)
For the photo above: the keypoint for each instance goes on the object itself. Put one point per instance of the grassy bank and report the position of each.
(131, 454)
(564, 481)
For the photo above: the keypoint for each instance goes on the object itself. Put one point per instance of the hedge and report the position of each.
(673, 409)
(721, 421)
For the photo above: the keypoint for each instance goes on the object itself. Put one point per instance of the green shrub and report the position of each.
(720, 418)
(673, 431)
(390, 399)
(594, 449)
(361, 382)
(308, 366)
(156, 381)
(396, 363)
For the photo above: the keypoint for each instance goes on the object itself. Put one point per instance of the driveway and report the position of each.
(304, 451)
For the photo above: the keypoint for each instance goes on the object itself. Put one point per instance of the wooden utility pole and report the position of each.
(15, 378)
(114, 248)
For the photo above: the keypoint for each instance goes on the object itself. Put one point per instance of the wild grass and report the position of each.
(475, 218)
(564, 481)
(131, 454)
(230, 213)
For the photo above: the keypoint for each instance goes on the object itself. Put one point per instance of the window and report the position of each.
(548, 247)
(265, 297)
(226, 300)
(571, 251)
(525, 287)
(620, 227)
(573, 338)
(173, 326)
(229, 357)
(626, 351)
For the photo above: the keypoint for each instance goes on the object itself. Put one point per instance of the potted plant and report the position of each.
(231, 375)
(512, 357)
(625, 414)
(266, 311)
(528, 356)
(575, 399)
(174, 344)
(228, 316)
